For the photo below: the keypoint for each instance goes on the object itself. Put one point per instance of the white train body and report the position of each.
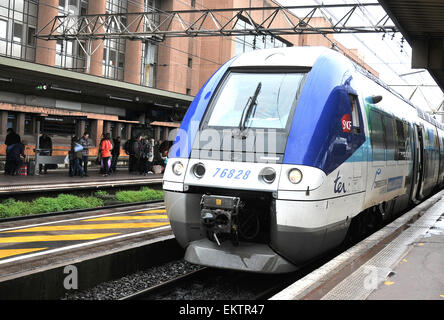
(283, 148)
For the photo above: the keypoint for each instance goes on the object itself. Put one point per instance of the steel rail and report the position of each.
(168, 285)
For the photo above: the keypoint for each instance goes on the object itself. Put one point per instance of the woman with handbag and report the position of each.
(105, 151)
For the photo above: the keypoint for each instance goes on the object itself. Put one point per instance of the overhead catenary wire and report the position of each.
(366, 15)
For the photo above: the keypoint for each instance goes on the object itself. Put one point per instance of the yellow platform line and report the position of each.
(153, 211)
(65, 237)
(91, 227)
(113, 218)
(13, 252)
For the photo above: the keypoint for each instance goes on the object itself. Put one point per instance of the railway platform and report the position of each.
(99, 245)
(59, 180)
(402, 261)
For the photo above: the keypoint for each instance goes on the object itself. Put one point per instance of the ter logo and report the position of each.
(346, 123)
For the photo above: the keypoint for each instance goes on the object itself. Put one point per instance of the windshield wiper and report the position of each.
(252, 102)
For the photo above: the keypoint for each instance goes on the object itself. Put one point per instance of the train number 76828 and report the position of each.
(232, 174)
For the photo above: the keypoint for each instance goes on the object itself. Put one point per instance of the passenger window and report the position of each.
(401, 140)
(409, 131)
(431, 138)
(377, 136)
(356, 124)
(389, 138)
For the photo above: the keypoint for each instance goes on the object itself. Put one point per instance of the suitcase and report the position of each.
(23, 170)
(31, 168)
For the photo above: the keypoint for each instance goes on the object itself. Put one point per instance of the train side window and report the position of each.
(356, 124)
(442, 144)
(401, 140)
(377, 136)
(389, 138)
(409, 131)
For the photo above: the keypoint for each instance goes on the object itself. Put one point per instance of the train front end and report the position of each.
(233, 198)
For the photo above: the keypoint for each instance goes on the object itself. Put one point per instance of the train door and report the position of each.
(419, 163)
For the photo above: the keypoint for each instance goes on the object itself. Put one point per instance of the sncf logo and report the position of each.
(346, 123)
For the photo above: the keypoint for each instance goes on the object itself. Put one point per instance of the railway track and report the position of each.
(167, 286)
(216, 284)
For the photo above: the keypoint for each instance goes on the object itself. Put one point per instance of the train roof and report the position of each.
(286, 56)
(305, 57)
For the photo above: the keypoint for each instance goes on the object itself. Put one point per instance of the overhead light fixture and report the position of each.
(120, 98)
(65, 89)
(163, 106)
(409, 73)
(6, 79)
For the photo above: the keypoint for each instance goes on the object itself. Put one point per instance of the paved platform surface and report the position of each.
(60, 180)
(402, 261)
(41, 243)
(419, 275)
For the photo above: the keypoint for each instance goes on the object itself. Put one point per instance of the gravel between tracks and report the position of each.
(116, 289)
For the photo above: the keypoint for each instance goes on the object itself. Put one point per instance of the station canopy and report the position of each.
(422, 24)
(35, 79)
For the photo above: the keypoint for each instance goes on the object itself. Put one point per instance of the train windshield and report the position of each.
(256, 100)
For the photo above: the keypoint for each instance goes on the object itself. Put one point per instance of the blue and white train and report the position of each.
(284, 153)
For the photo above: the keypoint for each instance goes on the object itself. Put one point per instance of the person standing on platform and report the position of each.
(45, 146)
(12, 138)
(105, 149)
(76, 153)
(115, 153)
(145, 153)
(85, 152)
(136, 147)
(151, 158)
(14, 158)
(128, 146)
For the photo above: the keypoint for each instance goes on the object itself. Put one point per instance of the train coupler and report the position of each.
(219, 218)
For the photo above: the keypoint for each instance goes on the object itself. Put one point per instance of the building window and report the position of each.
(60, 126)
(190, 62)
(12, 121)
(123, 134)
(112, 129)
(18, 22)
(149, 66)
(114, 50)
(88, 126)
(31, 36)
(29, 125)
(70, 54)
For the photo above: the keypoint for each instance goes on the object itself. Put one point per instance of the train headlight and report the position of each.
(199, 170)
(295, 176)
(268, 175)
(178, 168)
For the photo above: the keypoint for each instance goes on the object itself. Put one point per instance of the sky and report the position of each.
(390, 56)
